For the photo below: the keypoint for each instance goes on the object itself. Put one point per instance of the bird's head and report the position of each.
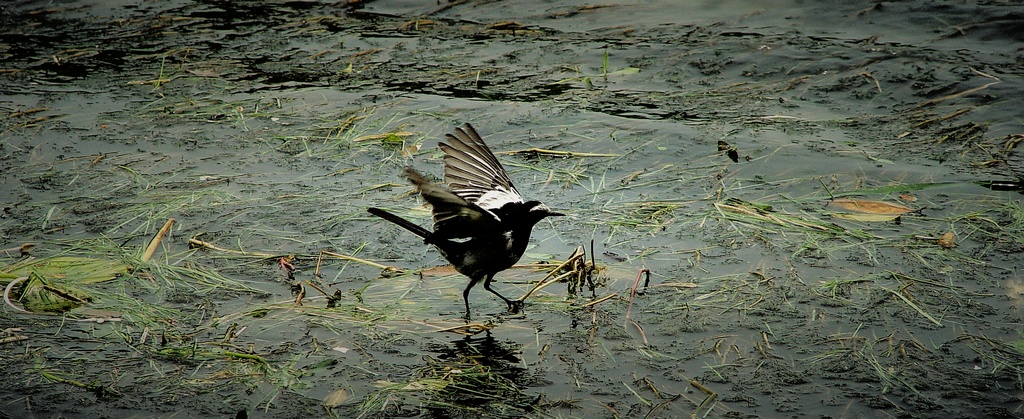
(537, 211)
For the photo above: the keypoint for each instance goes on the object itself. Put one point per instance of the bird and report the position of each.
(481, 223)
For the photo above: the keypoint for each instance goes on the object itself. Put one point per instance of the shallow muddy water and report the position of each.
(744, 152)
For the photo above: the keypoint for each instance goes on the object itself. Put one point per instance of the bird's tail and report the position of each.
(402, 222)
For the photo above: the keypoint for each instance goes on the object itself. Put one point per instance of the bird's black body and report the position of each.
(481, 223)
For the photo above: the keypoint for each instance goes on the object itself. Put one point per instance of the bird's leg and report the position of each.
(513, 306)
(465, 294)
(465, 297)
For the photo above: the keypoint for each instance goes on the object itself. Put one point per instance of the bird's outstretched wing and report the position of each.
(454, 217)
(473, 173)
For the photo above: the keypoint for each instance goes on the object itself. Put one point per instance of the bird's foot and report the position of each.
(515, 307)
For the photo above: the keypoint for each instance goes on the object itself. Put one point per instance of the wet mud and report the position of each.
(702, 142)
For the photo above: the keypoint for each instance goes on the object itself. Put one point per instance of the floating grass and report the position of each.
(758, 215)
(151, 209)
(645, 217)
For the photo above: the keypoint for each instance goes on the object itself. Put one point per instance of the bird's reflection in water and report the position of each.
(484, 350)
(475, 375)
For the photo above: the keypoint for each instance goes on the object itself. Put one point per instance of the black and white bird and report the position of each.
(481, 222)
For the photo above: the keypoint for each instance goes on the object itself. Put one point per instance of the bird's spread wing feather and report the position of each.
(473, 173)
(453, 215)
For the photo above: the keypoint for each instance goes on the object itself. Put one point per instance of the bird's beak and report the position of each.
(555, 214)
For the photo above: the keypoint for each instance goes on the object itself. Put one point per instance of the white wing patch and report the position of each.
(497, 198)
(508, 239)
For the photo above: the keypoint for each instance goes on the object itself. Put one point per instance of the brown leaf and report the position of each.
(869, 207)
(947, 240)
(411, 150)
(506, 26)
(336, 398)
(443, 270)
(869, 218)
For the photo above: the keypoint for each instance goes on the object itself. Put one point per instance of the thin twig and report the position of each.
(577, 254)
(547, 152)
(915, 307)
(211, 246)
(868, 75)
(954, 95)
(707, 403)
(467, 329)
(599, 300)
(156, 240)
(363, 261)
(629, 308)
